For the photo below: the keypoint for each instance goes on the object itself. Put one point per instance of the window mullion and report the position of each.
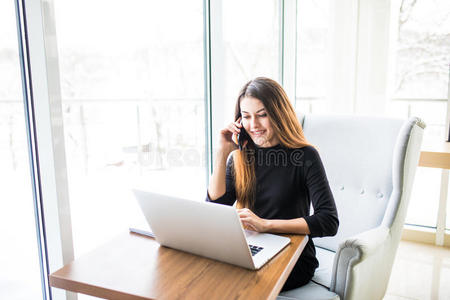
(46, 136)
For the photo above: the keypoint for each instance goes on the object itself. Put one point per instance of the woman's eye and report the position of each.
(246, 117)
(263, 115)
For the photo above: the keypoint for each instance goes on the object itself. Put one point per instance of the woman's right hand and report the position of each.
(228, 137)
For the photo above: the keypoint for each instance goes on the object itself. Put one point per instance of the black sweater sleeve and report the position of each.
(230, 194)
(324, 221)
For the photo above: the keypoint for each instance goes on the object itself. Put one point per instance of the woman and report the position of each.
(276, 175)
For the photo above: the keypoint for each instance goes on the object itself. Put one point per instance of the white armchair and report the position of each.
(370, 164)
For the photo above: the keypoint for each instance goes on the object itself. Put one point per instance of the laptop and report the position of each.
(207, 229)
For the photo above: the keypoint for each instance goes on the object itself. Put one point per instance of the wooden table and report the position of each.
(137, 267)
(438, 156)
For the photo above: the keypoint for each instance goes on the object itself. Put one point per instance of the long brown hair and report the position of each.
(286, 127)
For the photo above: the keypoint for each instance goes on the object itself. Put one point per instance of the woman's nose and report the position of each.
(254, 123)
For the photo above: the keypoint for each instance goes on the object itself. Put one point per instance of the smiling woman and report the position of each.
(272, 194)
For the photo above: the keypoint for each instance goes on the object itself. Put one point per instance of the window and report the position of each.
(132, 88)
(421, 57)
(244, 45)
(420, 74)
(386, 58)
(314, 53)
(19, 260)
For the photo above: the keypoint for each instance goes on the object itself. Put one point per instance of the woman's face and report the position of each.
(256, 121)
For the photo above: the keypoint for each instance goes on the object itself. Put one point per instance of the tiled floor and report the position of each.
(420, 272)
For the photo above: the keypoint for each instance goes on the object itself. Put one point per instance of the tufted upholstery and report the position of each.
(370, 164)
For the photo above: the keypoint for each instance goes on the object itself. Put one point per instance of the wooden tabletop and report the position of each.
(437, 156)
(137, 267)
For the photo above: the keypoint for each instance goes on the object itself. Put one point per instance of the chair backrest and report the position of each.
(359, 155)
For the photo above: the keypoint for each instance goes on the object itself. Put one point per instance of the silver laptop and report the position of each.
(207, 229)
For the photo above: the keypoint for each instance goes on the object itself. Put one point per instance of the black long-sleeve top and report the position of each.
(287, 182)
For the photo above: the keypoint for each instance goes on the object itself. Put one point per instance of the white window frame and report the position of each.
(438, 235)
(45, 130)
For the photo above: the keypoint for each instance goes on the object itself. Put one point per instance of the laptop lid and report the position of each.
(202, 228)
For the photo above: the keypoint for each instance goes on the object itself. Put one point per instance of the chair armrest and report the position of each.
(358, 261)
(368, 241)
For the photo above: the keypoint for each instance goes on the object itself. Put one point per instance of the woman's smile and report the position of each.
(257, 133)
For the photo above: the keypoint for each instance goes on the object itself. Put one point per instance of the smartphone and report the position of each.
(242, 136)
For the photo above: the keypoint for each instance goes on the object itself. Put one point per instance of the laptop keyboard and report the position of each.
(255, 249)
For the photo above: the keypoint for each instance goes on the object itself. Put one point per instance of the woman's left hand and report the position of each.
(252, 221)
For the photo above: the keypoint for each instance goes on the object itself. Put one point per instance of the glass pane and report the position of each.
(423, 205)
(245, 45)
(423, 50)
(421, 63)
(133, 106)
(19, 260)
(313, 55)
